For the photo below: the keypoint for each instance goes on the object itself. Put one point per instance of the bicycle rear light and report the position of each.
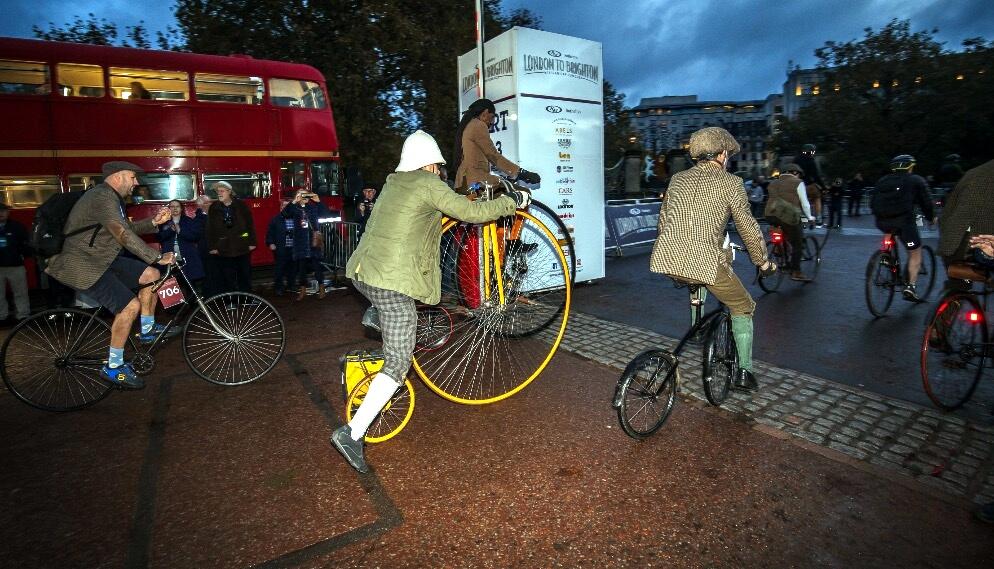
(974, 317)
(888, 242)
(776, 237)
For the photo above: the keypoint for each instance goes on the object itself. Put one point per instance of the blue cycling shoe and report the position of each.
(156, 330)
(121, 377)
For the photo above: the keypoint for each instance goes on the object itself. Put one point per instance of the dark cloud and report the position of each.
(20, 15)
(736, 50)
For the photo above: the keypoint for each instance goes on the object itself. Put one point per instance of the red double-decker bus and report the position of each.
(189, 120)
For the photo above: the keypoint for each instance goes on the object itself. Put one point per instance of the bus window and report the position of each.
(228, 89)
(292, 175)
(243, 184)
(165, 187)
(324, 177)
(296, 93)
(84, 181)
(135, 84)
(23, 78)
(28, 191)
(77, 80)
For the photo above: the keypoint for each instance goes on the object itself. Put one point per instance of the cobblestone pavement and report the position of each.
(932, 447)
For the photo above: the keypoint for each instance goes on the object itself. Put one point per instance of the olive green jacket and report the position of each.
(399, 249)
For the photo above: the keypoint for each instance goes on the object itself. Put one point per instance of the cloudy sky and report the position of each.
(718, 50)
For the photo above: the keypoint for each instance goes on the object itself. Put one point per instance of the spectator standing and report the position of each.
(186, 231)
(854, 189)
(835, 193)
(365, 207)
(756, 196)
(231, 238)
(813, 181)
(304, 212)
(279, 239)
(13, 249)
(209, 285)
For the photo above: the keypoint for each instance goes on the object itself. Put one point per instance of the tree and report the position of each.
(896, 92)
(101, 32)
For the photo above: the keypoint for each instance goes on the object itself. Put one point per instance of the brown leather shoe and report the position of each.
(321, 291)
(301, 293)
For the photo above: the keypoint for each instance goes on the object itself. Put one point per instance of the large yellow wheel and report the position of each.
(507, 286)
(394, 416)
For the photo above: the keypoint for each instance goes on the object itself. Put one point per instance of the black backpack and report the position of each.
(47, 231)
(893, 196)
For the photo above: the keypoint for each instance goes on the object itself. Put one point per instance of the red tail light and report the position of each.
(776, 237)
(974, 317)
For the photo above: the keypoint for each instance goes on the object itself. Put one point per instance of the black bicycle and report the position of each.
(884, 275)
(52, 360)
(778, 250)
(647, 388)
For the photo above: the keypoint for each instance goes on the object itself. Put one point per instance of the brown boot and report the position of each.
(301, 293)
(321, 291)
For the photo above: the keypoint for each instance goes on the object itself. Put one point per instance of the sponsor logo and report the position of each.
(554, 53)
(469, 82)
(500, 68)
(564, 156)
(564, 169)
(566, 180)
(574, 111)
(564, 204)
(634, 211)
(567, 215)
(566, 191)
(554, 109)
(565, 142)
(561, 130)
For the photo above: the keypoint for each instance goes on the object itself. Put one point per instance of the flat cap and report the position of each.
(222, 184)
(116, 166)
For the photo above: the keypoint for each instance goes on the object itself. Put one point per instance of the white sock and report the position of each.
(381, 389)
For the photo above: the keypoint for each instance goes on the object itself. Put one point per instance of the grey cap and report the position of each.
(223, 184)
(116, 166)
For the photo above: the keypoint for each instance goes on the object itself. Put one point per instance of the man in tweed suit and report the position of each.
(90, 262)
(692, 227)
(970, 205)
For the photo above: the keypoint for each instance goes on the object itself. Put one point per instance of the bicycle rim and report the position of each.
(391, 419)
(811, 257)
(509, 310)
(953, 351)
(52, 360)
(880, 282)
(238, 339)
(647, 392)
(720, 360)
(771, 283)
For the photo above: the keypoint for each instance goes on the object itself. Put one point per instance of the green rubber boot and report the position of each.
(742, 331)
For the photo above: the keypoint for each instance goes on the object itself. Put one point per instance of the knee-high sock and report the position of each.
(381, 389)
(742, 330)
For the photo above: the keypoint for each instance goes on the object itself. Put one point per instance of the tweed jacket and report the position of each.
(399, 249)
(693, 222)
(478, 152)
(971, 204)
(81, 263)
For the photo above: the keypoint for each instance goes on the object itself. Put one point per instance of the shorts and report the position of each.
(904, 228)
(115, 288)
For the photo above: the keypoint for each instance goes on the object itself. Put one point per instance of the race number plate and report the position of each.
(170, 294)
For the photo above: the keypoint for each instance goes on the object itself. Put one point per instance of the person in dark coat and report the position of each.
(187, 231)
(13, 249)
(209, 284)
(305, 211)
(279, 239)
(835, 193)
(231, 238)
(854, 189)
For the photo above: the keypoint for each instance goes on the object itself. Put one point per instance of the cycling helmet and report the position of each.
(794, 169)
(709, 142)
(952, 158)
(808, 149)
(902, 162)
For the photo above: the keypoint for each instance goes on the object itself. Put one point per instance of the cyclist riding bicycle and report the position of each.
(91, 263)
(893, 204)
(788, 207)
(397, 263)
(475, 152)
(692, 228)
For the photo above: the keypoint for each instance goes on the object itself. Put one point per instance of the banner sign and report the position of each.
(631, 224)
(548, 90)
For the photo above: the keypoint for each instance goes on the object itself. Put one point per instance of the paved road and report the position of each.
(823, 328)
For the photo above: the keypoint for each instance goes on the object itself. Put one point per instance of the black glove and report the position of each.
(528, 177)
(521, 197)
(770, 270)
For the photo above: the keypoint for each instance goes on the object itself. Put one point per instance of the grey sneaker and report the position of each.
(371, 318)
(351, 449)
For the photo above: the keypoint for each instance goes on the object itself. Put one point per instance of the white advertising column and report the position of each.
(550, 119)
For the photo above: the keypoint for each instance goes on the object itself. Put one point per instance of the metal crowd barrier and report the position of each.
(340, 241)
